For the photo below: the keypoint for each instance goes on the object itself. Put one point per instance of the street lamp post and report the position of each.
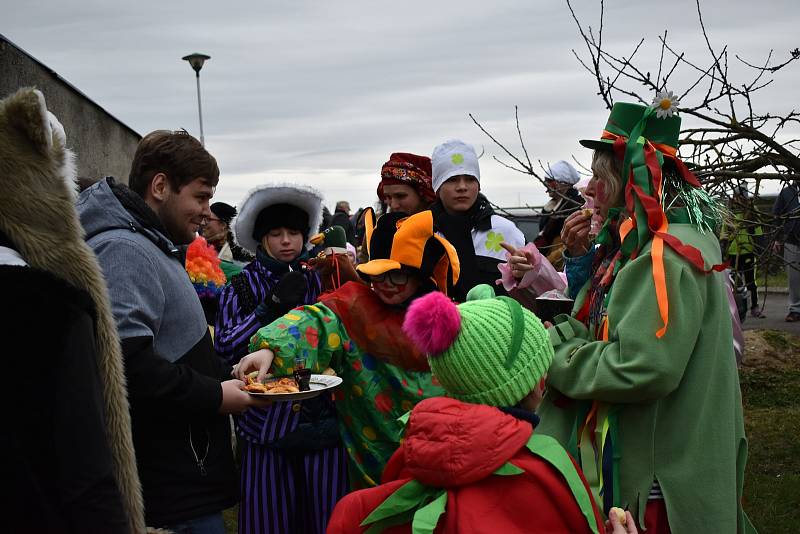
(196, 61)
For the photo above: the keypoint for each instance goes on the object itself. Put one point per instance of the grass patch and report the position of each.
(231, 518)
(776, 279)
(781, 341)
(771, 394)
(772, 480)
(766, 389)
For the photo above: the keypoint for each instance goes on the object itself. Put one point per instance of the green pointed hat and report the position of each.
(624, 118)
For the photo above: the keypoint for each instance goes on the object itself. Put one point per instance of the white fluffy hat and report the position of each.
(304, 197)
(453, 158)
(563, 172)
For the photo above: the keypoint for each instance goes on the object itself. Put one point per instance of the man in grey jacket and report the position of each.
(179, 395)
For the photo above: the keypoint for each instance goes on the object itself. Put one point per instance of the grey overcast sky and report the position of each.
(321, 92)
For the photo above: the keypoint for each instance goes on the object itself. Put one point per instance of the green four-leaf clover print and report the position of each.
(493, 241)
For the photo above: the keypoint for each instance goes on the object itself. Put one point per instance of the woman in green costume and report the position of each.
(357, 331)
(643, 387)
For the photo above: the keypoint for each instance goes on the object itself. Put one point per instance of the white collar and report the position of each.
(9, 256)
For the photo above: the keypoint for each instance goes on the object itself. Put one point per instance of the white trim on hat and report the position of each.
(304, 197)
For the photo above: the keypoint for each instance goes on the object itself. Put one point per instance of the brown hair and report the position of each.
(177, 154)
(606, 167)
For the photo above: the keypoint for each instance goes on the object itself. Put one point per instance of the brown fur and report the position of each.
(37, 212)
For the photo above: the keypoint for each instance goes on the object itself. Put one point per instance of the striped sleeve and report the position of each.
(234, 328)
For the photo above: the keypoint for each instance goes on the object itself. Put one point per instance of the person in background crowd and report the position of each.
(326, 219)
(289, 447)
(217, 231)
(787, 210)
(466, 219)
(357, 220)
(351, 253)
(357, 331)
(564, 200)
(650, 340)
(474, 457)
(179, 397)
(66, 453)
(341, 217)
(405, 185)
(742, 241)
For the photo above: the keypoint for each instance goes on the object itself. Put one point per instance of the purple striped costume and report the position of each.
(284, 490)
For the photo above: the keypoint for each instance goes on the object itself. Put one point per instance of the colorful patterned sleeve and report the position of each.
(312, 332)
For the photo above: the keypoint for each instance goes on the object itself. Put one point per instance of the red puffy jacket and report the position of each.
(459, 447)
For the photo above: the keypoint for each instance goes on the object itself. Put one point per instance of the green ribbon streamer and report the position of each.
(614, 429)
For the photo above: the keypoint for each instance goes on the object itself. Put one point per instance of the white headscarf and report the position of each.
(563, 172)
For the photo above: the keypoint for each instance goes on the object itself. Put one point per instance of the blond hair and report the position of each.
(605, 167)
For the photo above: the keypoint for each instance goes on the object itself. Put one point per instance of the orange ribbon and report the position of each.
(665, 149)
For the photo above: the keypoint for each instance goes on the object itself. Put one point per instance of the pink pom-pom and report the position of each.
(432, 323)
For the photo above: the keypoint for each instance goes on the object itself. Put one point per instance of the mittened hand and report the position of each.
(290, 291)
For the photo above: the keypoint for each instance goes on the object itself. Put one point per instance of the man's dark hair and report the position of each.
(177, 154)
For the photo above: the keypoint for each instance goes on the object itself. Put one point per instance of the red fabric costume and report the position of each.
(459, 447)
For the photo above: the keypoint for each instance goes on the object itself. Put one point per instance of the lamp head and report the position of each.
(196, 61)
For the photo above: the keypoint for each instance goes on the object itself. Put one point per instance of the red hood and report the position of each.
(452, 443)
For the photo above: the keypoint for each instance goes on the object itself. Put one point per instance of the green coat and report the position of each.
(677, 399)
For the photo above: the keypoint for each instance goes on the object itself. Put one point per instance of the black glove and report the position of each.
(288, 293)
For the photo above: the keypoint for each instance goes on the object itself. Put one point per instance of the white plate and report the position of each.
(318, 385)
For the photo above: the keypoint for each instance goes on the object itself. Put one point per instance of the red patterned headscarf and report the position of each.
(408, 169)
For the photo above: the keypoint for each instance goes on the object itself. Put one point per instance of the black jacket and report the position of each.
(457, 229)
(787, 210)
(55, 461)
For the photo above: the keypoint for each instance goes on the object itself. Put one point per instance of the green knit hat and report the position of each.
(488, 350)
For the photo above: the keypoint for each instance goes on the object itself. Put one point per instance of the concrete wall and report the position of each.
(104, 146)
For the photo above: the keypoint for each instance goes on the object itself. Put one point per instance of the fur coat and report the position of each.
(37, 213)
